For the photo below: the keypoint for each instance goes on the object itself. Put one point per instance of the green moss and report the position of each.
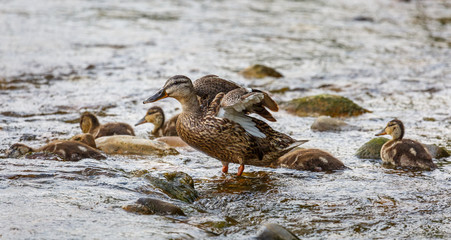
(324, 104)
(371, 149)
(178, 185)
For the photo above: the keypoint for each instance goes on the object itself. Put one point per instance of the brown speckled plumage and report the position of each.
(310, 159)
(90, 124)
(209, 86)
(404, 152)
(155, 115)
(67, 150)
(218, 137)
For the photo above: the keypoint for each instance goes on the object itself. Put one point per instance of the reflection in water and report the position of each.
(63, 58)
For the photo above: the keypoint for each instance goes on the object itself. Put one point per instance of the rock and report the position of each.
(124, 144)
(324, 123)
(178, 185)
(371, 149)
(323, 104)
(272, 231)
(173, 141)
(310, 160)
(260, 71)
(27, 137)
(436, 151)
(147, 206)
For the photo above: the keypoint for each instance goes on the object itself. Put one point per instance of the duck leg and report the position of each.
(240, 170)
(225, 167)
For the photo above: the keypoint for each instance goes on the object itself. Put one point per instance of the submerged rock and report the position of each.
(178, 185)
(272, 231)
(437, 151)
(324, 124)
(371, 149)
(124, 144)
(147, 206)
(310, 160)
(323, 104)
(260, 71)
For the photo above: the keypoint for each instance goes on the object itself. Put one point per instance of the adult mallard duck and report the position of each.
(69, 150)
(223, 131)
(404, 152)
(155, 115)
(90, 124)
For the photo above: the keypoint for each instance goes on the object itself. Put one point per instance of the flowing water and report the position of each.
(60, 58)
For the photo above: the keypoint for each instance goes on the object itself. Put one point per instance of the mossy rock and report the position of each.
(260, 71)
(437, 152)
(147, 206)
(371, 149)
(178, 185)
(323, 104)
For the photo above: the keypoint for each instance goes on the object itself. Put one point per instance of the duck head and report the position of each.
(154, 115)
(88, 122)
(18, 150)
(394, 128)
(178, 87)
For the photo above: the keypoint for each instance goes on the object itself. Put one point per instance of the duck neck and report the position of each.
(398, 134)
(190, 104)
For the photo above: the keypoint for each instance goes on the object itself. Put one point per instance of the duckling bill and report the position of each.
(221, 130)
(404, 152)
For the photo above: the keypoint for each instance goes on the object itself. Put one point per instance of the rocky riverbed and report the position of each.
(61, 58)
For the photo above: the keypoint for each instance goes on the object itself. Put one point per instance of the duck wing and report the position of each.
(209, 86)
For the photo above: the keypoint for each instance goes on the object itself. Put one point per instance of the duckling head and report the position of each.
(394, 128)
(88, 121)
(154, 115)
(17, 150)
(179, 87)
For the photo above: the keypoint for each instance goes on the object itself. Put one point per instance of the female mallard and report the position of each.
(222, 130)
(155, 115)
(90, 124)
(404, 152)
(69, 150)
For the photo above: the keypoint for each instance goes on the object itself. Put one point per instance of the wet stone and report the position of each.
(27, 137)
(272, 231)
(371, 149)
(260, 71)
(124, 144)
(437, 152)
(323, 104)
(178, 185)
(148, 206)
(324, 124)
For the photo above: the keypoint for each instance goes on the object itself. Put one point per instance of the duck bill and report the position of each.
(381, 133)
(141, 121)
(159, 95)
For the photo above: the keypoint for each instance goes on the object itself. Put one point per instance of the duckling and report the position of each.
(223, 130)
(315, 160)
(161, 128)
(404, 152)
(207, 87)
(90, 124)
(69, 150)
(85, 138)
